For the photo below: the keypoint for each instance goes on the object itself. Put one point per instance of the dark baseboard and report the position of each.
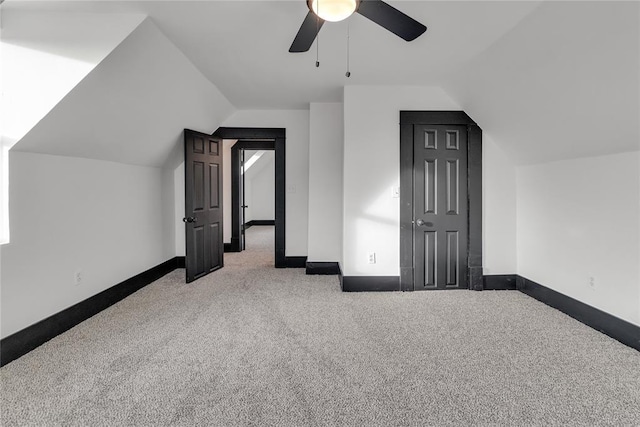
(295, 261)
(369, 283)
(180, 262)
(234, 246)
(22, 342)
(612, 326)
(500, 282)
(476, 279)
(253, 222)
(322, 268)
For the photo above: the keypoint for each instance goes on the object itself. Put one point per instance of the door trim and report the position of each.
(252, 137)
(236, 193)
(474, 188)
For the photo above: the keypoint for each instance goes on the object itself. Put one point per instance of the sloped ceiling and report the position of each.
(564, 83)
(546, 80)
(265, 159)
(245, 48)
(242, 46)
(44, 55)
(133, 107)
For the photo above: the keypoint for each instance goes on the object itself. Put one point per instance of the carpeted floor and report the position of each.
(252, 345)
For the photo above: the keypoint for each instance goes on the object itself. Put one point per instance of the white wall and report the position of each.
(133, 107)
(68, 215)
(296, 123)
(128, 215)
(45, 54)
(260, 187)
(326, 149)
(179, 205)
(0, 290)
(372, 169)
(266, 200)
(579, 219)
(498, 209)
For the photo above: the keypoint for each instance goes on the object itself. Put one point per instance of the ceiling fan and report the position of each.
(377, 11)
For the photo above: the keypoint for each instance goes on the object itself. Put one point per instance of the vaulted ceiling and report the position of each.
(547, 80)
(242, 46)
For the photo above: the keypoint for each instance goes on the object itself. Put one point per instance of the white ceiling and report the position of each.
(242, 46)
(133, 107)
(564, 83)
(545, 80)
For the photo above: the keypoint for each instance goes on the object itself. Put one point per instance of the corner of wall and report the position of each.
(578, 230)
(499, 211)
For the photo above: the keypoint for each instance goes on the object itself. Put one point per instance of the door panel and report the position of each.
(430, 258)
(440, 207)
(198, 250)
(203, 204)
(214, 233)
(452, 258)
(198, 186)
(453, 176)
(214, 180)
(430, 180)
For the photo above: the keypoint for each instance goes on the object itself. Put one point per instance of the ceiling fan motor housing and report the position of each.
(333, 10)
(378, 11)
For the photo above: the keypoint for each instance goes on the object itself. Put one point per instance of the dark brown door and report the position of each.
(243, 207)
(440, 207)
(203, 204)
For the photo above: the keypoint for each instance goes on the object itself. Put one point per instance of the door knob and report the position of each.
(421, 223)
(189, 219)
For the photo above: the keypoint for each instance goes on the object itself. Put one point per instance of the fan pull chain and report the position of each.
(318, 38)
(348, 73)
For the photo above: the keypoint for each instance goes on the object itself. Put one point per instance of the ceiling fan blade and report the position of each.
(307, 33)
(392, 19)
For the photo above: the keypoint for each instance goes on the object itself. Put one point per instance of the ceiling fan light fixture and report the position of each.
(333, 10)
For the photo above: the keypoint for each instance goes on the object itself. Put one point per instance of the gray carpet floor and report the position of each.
(252, 345)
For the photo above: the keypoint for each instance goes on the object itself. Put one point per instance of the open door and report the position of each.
(203, 204)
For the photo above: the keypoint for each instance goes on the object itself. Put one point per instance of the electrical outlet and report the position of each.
(77, 278)
(372, 257)
(592, 282)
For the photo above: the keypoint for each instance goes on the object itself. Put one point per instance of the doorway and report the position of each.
(257, 139)
(239, 204)
(257, 204)
(441, 201)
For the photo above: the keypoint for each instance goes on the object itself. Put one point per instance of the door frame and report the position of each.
(474, 188)
(237, 189)
(252, 138)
